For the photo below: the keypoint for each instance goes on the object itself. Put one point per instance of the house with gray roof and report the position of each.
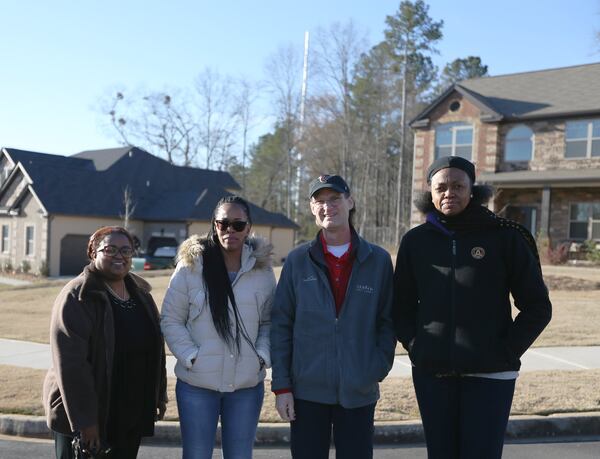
(534, 136)
(51, 204)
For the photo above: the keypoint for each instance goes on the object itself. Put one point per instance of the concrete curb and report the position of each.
(402, 432)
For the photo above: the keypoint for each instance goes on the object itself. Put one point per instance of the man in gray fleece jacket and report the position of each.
(332, 338)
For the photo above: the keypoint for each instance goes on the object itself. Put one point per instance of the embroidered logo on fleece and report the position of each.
(364, 288)
(310, 278)
(478, 253)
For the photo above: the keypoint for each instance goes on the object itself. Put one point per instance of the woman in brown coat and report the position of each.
(107, 382)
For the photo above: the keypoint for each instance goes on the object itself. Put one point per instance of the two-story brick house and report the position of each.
(534, 136)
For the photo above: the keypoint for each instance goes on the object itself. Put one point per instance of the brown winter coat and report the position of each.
(77, 387)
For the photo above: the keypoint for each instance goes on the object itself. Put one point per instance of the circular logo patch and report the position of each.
(478, 253)
(324, 178)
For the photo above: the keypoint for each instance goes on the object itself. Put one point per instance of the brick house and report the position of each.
(534, 136)
(51, 204)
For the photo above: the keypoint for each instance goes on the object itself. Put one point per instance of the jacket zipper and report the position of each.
(453, 306)
(325, 279)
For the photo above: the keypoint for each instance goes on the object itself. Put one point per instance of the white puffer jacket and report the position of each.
(188, 327)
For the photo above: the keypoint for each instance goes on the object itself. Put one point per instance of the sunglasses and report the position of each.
(237, 225)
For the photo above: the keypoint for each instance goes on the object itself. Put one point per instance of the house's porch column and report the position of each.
(545, 217)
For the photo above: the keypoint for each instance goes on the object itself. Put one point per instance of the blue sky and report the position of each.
(58, 58)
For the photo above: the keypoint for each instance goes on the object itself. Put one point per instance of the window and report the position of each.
(4, 241)
(454, 139)
(454, 106)
(519, 144)
(584, 221)
(29, 232)
(582, 139)
(525, 215)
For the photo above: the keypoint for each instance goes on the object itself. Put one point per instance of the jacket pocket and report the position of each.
(498, 358)
(412, 350)
(194, 312)
(197, 303)
(56, 402)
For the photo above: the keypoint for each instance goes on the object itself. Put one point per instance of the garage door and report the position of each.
(73, 254)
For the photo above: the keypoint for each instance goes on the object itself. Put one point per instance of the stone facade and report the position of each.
(548, 149)
(562, 198)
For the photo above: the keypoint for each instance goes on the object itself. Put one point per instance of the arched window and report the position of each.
(454, 139)
(519, 144)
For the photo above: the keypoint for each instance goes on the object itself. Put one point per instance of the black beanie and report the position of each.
(451, 161)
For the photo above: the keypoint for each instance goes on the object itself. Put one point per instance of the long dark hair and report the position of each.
(216, 280)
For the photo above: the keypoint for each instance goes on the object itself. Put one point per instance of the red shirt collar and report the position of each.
(327, 252)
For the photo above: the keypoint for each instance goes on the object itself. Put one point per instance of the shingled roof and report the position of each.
(92, 183)
(568, 91)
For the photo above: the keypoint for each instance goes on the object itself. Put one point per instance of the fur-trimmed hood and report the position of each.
(191, 249)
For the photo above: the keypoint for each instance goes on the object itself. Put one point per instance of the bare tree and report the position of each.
(118, 122)
(246, 96)
(284, 72)
(169, 128)
(337, 50)
(216, 117)
(129, 205)
(154, 121)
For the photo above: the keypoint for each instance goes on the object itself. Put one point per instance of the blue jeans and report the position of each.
(199, 411)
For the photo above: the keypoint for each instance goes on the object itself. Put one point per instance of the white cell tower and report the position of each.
(300, 169)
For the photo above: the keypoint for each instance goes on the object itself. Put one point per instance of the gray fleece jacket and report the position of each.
(329, 359)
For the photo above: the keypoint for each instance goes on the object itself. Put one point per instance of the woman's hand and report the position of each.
(90, 438)
(285, 406)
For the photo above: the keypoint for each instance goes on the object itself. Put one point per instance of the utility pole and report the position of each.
(299, 168)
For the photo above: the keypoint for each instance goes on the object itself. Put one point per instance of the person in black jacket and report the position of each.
(452, 312)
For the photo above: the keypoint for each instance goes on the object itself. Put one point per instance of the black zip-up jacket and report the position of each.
(452, 309)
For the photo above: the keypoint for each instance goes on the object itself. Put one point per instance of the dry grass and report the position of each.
(576, 321)
(26, 312)
(540, 392)
(30, 307)
(21, 390)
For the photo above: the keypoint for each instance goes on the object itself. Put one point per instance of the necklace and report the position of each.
(117, 300)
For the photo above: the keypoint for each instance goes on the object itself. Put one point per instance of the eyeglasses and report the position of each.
(333, 202)
(237, 225)
(112, 250)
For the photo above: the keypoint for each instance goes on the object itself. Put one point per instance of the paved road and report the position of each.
(35, 355)
(43, 449)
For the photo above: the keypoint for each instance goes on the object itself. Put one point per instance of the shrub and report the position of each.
(44, 269)
(559, 254)
(7, 267)
(592, 252)
(25, 266)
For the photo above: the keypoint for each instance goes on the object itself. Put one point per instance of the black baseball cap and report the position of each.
(335, 182)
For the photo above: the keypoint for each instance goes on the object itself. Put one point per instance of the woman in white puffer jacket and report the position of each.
(216, 318)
